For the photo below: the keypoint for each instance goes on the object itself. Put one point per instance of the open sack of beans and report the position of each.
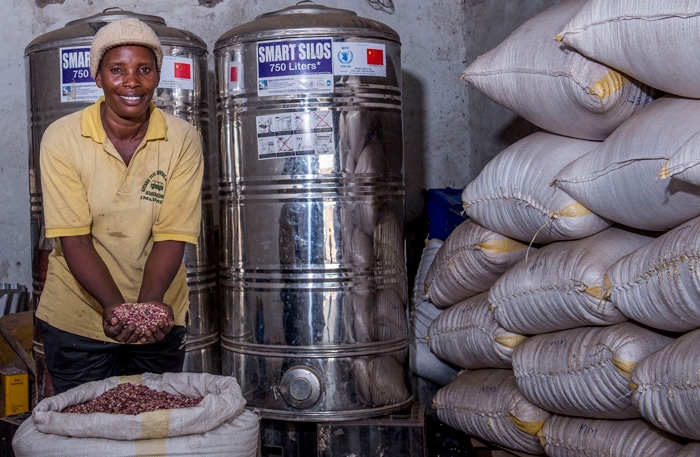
(149, 414)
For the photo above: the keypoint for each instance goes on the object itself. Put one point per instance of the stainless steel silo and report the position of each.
(311, 198)
(59, 83)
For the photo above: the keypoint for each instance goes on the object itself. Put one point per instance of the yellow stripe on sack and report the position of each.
(664, 173)
(501, 246)
(155, 424)
(531, 428)
(510, 341)
(131, 379)
(596, 292)
(608, 284)
(608, 85)
(624, 367)
(542, 438)
(575, 209)
(150, 448)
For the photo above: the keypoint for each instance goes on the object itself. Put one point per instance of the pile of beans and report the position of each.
(132, 399)
(142, 315)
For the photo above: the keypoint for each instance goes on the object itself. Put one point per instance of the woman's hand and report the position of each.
(119, 330)
(122, 331)
(157, 332)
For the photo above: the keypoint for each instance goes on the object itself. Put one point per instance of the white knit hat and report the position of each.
(129, 31)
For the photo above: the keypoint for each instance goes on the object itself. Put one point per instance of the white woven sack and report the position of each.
(513, 194)
(236, 437)
(488, 405)
(562, 286)
(659, 283)
(585, 371)
(690, 450)
(467, 335)
(563, 436)
(555, 87)
(423, 362)
(684, 164)
(469, 262)
(650, 40)
(222, 400)
(619, 179)
(430, 252)
(666, 388)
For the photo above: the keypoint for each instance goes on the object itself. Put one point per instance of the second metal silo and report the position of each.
(311, 196)
(59, 83)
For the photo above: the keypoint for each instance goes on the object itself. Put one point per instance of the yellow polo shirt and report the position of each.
(87, 189)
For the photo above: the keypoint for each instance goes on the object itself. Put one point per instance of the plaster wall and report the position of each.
(450, 130)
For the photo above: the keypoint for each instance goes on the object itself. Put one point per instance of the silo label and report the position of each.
(235, 77)
(76, 83)
(359, 59)
(295, 66)
(295, 134)
(177, 73)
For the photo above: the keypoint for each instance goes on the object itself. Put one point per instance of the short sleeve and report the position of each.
(65, 206)
(181, 214)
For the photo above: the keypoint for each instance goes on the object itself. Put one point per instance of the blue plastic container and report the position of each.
(445, 211)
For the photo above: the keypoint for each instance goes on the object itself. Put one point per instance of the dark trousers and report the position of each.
(72, 360)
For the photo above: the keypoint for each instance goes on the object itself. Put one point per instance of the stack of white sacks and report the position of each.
(565, 312)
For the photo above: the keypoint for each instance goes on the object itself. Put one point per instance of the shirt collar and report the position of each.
(91, 123)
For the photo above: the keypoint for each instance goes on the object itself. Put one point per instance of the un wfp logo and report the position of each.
(345, 56)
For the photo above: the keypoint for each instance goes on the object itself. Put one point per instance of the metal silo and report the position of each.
(311, 198)
(59, 83)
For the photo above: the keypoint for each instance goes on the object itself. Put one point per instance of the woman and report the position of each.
(121, 183)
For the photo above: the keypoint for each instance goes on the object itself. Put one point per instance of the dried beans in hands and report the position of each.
(143, 316)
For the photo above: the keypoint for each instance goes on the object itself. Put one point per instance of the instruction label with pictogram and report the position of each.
(295, 134)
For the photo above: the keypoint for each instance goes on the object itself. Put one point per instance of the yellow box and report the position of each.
(14, 391)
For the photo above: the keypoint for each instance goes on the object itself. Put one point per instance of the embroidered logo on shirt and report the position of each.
(153, 188)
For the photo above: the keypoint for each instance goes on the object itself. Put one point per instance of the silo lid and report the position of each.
(111, 15)
(81, 31)
(307, 18)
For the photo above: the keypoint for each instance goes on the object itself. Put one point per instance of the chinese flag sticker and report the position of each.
(182, 70)
(375, 56)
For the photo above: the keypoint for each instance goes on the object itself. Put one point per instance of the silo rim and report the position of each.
(80, 32)
(304, 20)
